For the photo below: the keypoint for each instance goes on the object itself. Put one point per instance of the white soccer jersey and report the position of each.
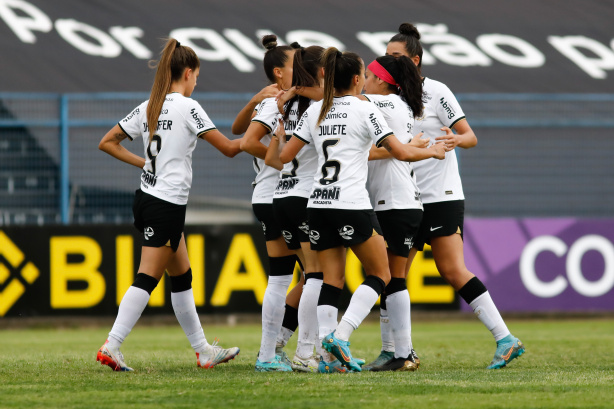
(342, 141)
(267, 114)
(391, 182)
(296, 178)
(438, 180)
(167, 174)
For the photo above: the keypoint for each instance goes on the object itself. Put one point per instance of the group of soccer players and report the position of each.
(336, 168)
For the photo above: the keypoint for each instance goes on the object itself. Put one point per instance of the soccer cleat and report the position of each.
(281, 354)
(415, 357)
(383, 357)
(214, 354)
(310, 364)
(508, 348)
(112, 357)
(331, 367)
(276, 365)
(397, 364)
(341, 350)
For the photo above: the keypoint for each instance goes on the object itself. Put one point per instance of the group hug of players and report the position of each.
(348, 154)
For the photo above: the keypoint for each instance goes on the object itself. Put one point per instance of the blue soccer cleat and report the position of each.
(331, 367)
(341, 350)
(276, 365)
(508, 348)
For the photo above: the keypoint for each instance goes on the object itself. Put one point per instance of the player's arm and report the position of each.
(272, 153)
(229, 147)
(290, 149)
(250, 142)
(376, 153)
(409, 153)
(111, 144)
(463, 138)
(242, 121)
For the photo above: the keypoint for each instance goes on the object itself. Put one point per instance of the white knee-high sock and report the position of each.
(130, 310)
(360, 305)
(185, 311)
(400, 321)
(273, 307)
(385, 330)
(484, 308)
(308, 317)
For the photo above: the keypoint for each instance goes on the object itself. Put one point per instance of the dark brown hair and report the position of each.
(410, 36)
(339, 70)
(275, 56)
(174, 59)
(406, 75)
(307, 62)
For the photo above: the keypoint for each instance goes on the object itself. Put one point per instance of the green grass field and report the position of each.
(568, 364)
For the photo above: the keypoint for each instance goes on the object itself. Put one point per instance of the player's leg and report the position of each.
(182, 299)
(449, 259)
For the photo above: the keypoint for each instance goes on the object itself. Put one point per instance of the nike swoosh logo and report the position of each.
(507, 356)
(433, 229)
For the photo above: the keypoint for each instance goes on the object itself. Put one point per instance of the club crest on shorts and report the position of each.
(304, 227)
(346, 232)
(263, 227)
(287, 235)
(314, 236)
(148, 232)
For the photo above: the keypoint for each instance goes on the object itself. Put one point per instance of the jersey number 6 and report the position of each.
(329, 164)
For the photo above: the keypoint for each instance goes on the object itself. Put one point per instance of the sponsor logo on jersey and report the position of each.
(148, 232)
(376, 125)
(384, 104)
(417, 196)
(448, 192)
(148, 178)
(287, 235)
(330, 193)
(132, 114)
(335, 115)
(314, 236)
(446, 107)
(199, 121)
(304, 227)
(346, 232)
(287, 183)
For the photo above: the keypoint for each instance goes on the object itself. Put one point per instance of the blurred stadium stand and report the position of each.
(543, 155)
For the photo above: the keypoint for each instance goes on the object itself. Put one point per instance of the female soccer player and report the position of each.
(170, 123)
(342, 128)
(395, 87)
(278, 68)
(442, 195)
(290, 205)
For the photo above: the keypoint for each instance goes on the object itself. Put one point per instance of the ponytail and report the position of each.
(305, 67)
(408, 82)
(339, 70)
(174, 59)
(276, 55)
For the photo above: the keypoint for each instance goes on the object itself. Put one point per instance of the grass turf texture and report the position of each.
(568, 364)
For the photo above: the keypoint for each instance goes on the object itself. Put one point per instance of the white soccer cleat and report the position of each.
(305, 364)
(214, 354)
(112, 357)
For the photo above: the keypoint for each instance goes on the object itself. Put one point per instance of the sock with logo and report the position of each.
(361, 303)
(182, 299)
(475, 294)
(308, 315)
(399, 309)
(273, 305)
(384, 325)
(131, 307)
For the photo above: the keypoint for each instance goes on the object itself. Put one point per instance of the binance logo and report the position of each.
(11, 276)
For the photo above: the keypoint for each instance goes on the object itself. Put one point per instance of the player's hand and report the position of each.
(267, 92)
(418, 142)
(450, 139)
(439, 150)
(280, 132)
(283, 97)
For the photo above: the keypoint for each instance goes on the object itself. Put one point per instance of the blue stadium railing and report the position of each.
(36, 117)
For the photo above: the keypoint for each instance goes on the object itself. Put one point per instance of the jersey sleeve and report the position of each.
(267, 114)
(131, 124)
(448, 109)
(303, 129)
(198, 121)
(376, 125)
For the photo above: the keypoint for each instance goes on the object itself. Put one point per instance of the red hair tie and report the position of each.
(383, 74)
